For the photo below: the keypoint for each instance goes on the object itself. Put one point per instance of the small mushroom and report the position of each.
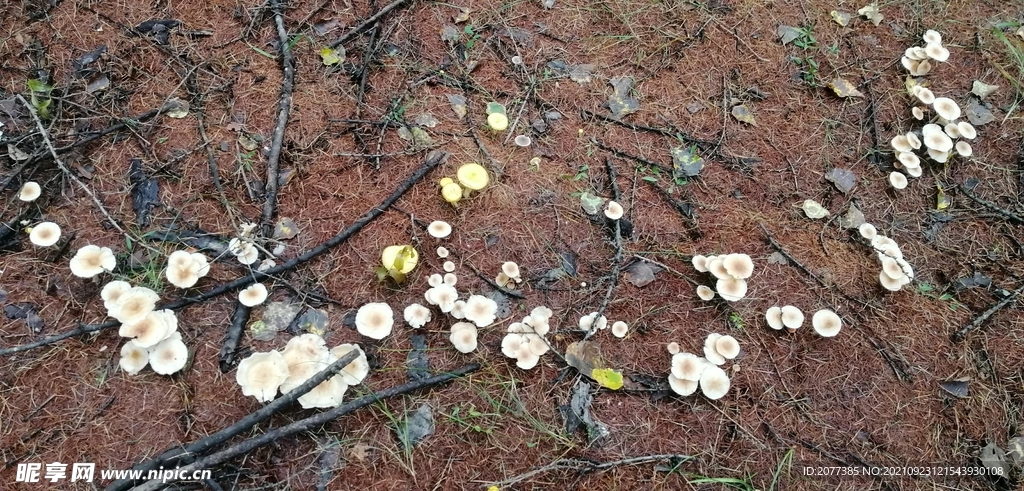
(451, 192)
(967, 130)
(439, 229)
(738, 266)
(681, 386)
(901, 144)
(442, 252)
(30, 191)
(450, 279)
(705, 293)
(913, 140)
(133, 357)
(773, 316)
(306, 355)
(917, 112)
(327, 394)
(964, 149)
(937, 140)
(672, 348)
(924, 94)
(731, 289)
(714, 382)
(435, 279)
(932, 37)
(914, 171)
(480, 310)
(444, 296)
(261, 374)
(389, 256)
(952, 130)
(254, 295)
(892, 268)
(473, 176)
(511, 269)
(890, 283)
(908, 159)
(497, 121)
(134, 305)
(375, 320)
(619, 329)
(448, 266)
(91, 260)
(44, 234)
(112, 291)
(946, 108)
(151, 329)
(169, 356)
(523, 140)
(613, 210)
(357, 370)
(687, 366)
(716, 266)
(940, 156)
(728, 347)
(792, 317)
(897, 180)
(525, 357)
(936, 52)
(826, 323)
(700, 263)
(416, 315)
(867, 230)
(463, 337)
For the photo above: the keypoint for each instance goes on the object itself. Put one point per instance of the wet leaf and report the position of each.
(608, 378)
(621, 103)
(260, 332)
(462, 16)
(458, 103)
(426, 120)
(843, 179)
(742, 113)
(331, 56)
(686, 162)
(994, 459)
(982, 89)
(16, 153)
(568, 261)
(495, 107)
(145, 192)
(160, 29)
(843, 88)
(584, 356)
(841, 18)
(247, 142)
(415, 135)
(277, 316)
(415, 426)
(640, 273)
(576, 413)
(1015, 450)
(285, 228)
(978, 112)
(179, 108)
(978, 280)
(788, 34)
(313, 321)
(504, 306)
(450, 33)
(87, 59)
(98, 83)
(417, 362)
(871, 13)
(590, 203)
(581, 74)
(942, 200)
(548, 3)
(853, 218)
(777, 258)
(956, 387)
(814, 210)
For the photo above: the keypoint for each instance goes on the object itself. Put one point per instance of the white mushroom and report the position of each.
(254, 295)
(826, 323)
(169, 356)
(700, 263)
(375, 320)
(792, 317)
(613, 210)
(681, 386)
(937, 52)
(897, 180)
(135, 304)
(967, 130)
(44, 234)
(416, 315)
(151, 329)
(91, 260)
(133, 357)
(439, 229)
(964, 149)
(112, 291)
(773, 316)
(731, 289)
(714, 382)
(932, 37)
(705, 293)
(357, 370)
(463, 337)
(261, 374)
(867, 230)
(480, 310)
(738, 266)
(620, 329)
(306, 355)
(30, 191)
(728, 347)
(946, 108)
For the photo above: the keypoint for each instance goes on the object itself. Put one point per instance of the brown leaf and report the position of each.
(742, 113)
(843, 88)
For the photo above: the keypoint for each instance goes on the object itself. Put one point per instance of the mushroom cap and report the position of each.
(705, 293)
(510, 268)
(714, 382)
(450, 279)
(435, 279)
(525, 357)
(133, 357)
(924, 94)
(792, 317)
(914, 53)
(773, 316)
(458, 309)
(940, 156)
(306, 355)
(181, 259)
(169, 356)
(731, 289)
(249, 254)
(711, 355)
(30, 191)
(329, 393)
(932, 37)
(938, 141)
(390, 254)
(728, 347)
(261, 374)
(451, 192)
(700, 263)
(826, 323)
(913, 140)
(672, 348)
(738, 266)
(681, 386)
(613, 210)
(463, 337)
(133, 305)
(474, 176)
(716, 266)
(967, 130)
(910, 63)
(182, 274)
(890, 283)
(619, 329)
(687, 366)
(946, 108)
(448, 266)
(901, 144)
(91, 260)
(908, 159)
(254, 295)
(867, 230)
(523, 140)
(45, 234)
(897, 180)
(357, 370)
(416, 315)
(442, 252)
(480, 310)
(891, 268)
(510, 344)
(914, 171)
(917, 112)
(923, 68)
(443, 295)
(375, 320)
(936, 52)
(540, 314)
(112, 291)
(538, 345)
(497, 121)
(964, 149)
(951, 130)
(151, 329)
(439, 229)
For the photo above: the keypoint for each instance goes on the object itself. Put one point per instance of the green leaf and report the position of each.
(686, 162)
(650, 178)
(332, 56)
(607, 377)
(39, 87)
(494, 107)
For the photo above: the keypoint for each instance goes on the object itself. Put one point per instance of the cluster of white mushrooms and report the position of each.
(936, 137)
(825, 322)
(243, 248)
(154, 337)
(896, 271)
(509, 276)
(525, 341)
(731, 272)
(690, 371)
(593, 322)
(184, 269)
(263, 374)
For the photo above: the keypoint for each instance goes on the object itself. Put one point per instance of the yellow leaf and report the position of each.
(942, 200)
(843, 88)
(462, 16)
(742, 113)
(607, 377)
(332, 56)
(841, 18)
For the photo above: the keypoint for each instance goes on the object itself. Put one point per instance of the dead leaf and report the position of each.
(426, 120)
(358, 452)
(416, 135)
(685, 162)
(620, 103)
(285, 228)
(982, 89)
(458, 103)
(462, 16)
(841, 18)
(853, 218)
(956, 387)
(843, 179)
(978, 112)
(742, 113)
(640, 273)
(331, 56)
(843, 88)
(179, 109)
(16, 153)
(1015, 450)
(788, 34)
(994, 459)
(322, 28)
(871, 13)
(584, 356)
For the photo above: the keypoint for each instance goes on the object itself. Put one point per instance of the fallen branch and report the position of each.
(284, 106)
(587, 114)
(617, 260)
(585, 466)
(433, 160)
(789, 257)
(309, 423)
(173, 456)
(1009, 215)
(369, 22)
(622, 154)
(979, 320)
(233, 336)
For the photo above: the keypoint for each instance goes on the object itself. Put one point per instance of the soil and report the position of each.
(869, 398)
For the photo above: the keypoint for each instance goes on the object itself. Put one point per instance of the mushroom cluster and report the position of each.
(244, 250)
(731, 272)
(896, 271)
(263, 374)
(185, 268)
(688, 371)
(509, 275)
(825, 322)
(525, 341)
(470, 177)
(943, 135)
(593, 322)
(91, 260)
(154, 337)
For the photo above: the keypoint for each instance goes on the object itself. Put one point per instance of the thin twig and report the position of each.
(432, 161)
(173, 456)
(585, 114)
(284, 106)
(789, 257)
(617, 260)
(1009, 215)
(979, 320)
(740, 40)
(370, 21)
(635, 158)
(585, 466)
(309, 423)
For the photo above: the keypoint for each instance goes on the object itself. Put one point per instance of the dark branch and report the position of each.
(284, 106)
